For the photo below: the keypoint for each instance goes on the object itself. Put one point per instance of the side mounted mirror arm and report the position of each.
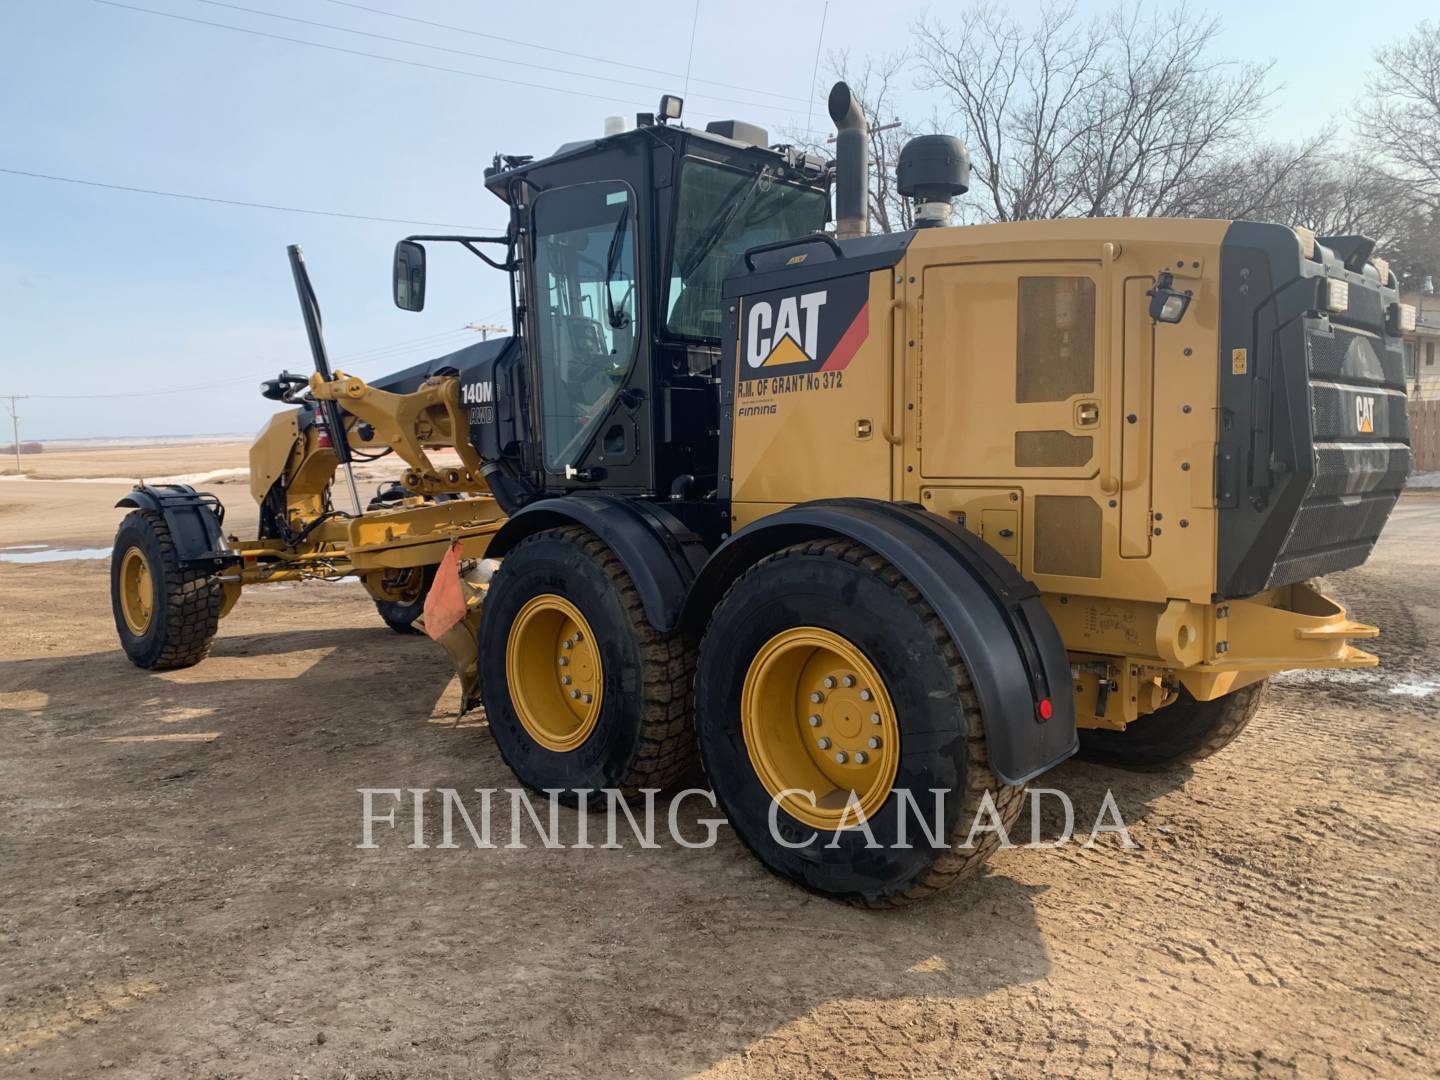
(469, 242)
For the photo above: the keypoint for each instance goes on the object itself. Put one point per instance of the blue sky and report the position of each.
(111, 295)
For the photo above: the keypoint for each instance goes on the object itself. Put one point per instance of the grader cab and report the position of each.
(886, 525)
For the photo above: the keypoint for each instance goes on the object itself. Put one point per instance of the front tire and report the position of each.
(580, 690)
(1186, 730)
(408, 604)
(828, 619)
(165, 613)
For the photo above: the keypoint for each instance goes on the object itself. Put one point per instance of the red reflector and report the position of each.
(1045, 709)
(323, 440)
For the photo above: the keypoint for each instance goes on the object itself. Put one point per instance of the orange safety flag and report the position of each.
(445, 602)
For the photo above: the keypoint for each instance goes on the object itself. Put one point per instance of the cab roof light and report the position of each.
(671, 106)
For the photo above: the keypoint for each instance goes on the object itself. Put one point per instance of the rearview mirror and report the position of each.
(408, 277)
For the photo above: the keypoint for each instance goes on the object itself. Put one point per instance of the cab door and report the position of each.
(585, 311)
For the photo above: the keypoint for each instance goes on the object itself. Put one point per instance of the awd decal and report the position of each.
(803, 331)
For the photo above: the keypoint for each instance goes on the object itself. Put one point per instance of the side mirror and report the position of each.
(408, 277)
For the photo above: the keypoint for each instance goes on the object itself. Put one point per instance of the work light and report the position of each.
(1168, 304)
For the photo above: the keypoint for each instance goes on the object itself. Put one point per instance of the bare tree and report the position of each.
(1120, 116)
(1400, 121)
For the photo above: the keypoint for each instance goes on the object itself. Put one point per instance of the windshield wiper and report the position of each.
(619, 318)
(718, 228)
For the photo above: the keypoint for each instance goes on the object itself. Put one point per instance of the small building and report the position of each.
(1422, 348)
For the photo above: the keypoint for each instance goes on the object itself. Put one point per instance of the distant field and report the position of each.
(130, 459)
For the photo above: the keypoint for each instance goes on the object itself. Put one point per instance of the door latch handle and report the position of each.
(1087, 414)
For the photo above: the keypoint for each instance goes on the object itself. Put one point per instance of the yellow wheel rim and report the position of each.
(816, 717)
(552, 663)
(137, 591)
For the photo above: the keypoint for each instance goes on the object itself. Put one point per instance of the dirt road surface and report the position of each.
(181, 893)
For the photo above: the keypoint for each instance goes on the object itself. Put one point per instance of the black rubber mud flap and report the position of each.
(1007, 639)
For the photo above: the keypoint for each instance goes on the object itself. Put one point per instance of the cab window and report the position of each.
(585, 305)
(722, 213)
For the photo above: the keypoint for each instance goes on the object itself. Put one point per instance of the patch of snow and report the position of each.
(1415, 689)
(214, 476)
(46, 554)
(1424, 480)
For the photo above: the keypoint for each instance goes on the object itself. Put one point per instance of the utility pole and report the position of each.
(486, 329)
(15, 427)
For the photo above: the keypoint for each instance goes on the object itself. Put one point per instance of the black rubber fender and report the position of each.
(662, 556)
(1007, 639)
(195, 518)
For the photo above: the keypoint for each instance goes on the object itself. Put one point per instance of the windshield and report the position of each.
(723, 213)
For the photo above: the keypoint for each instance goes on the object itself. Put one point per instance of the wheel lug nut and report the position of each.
(564, 661)
(567, 644)
(814, 719)
(861, 757)
(817, 697)
(864, 695)
(564, 680)
(824, 743)
(575, 694)
(579, 636)
(874, 718)
(849, 680)
(588, 698)
(873, 742)
(841, 756)
(829, 682)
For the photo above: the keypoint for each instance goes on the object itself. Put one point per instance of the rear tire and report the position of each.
(1185, 731)
(400, 615)
(840, 592)
(165, 613)
(636, 733)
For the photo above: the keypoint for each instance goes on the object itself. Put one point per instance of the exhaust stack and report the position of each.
(852, 163)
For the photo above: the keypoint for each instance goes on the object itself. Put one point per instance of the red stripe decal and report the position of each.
(850, 341)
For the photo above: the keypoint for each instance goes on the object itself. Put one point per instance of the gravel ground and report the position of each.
(181, 893)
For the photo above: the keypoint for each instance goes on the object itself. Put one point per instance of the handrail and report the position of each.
(887, 426)
(777, 245)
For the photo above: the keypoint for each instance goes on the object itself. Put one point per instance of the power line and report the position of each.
(144, 393)
(484, 331)
(551, 49)
(403, 346)
(234, 202)
(372, 56)
(473, 55)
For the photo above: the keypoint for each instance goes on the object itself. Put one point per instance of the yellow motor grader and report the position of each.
(864, 520)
